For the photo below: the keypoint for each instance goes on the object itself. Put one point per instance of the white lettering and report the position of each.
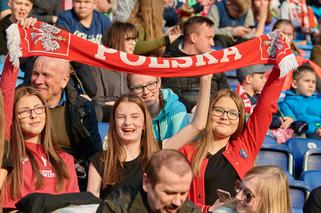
(102, 50)
(44, 160)
(140, 60)
(231, 51)
(154, 63)
(200, 59)
(188, 62)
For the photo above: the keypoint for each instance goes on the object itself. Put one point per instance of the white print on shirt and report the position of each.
(44, 160)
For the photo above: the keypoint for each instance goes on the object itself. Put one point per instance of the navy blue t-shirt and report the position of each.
(68, 20)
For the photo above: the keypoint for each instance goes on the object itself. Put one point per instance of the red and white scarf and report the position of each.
(47, 40)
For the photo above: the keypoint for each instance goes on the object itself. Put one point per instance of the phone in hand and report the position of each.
(223, 195)
(252, 26)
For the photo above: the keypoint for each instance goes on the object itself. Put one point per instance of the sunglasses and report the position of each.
(247, 193)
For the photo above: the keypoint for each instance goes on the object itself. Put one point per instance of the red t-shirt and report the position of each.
(48, 174)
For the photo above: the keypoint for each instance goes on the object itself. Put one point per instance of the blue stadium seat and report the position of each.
(269, 140)
(276, 154)
(312, 178)
(312, 159)
(103, 129)
(299, 147)
(299, 192)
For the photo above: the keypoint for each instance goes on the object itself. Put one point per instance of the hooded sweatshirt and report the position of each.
(171, 118)
(303, 108)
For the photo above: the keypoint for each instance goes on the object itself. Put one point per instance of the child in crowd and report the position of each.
(302, 103)
(84, 21)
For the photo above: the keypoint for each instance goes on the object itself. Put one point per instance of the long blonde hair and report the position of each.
(206, 135)
(115, 154)
(272, 187)
(148, 15)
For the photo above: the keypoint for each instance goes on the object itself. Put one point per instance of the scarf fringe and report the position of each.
(287, 64)
(13, 43)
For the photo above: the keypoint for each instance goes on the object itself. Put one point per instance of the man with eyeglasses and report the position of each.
(197, 38)
(234, 21)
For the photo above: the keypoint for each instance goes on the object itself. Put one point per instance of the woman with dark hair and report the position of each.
(38, 163)
(131, 142)
(227, 147)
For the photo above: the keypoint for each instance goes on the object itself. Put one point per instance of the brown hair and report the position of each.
(242, 5)
(189, 26)
(115, 154)
(20, 151)
(274, 199)
(117, 34)
(148, 15)
(301, 70)
(206, 135)
(171, 159)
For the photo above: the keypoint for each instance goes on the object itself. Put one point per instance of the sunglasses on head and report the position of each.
(247, 193)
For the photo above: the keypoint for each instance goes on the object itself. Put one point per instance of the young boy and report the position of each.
(84, 21)
(302, 103)
(20, 9)
(252, 80)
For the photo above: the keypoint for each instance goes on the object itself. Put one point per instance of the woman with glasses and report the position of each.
(131, 141)
(255, 195)
(227, 147)
(168, 113)
(38, 163)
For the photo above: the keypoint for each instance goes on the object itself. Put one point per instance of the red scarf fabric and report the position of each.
(47, 40)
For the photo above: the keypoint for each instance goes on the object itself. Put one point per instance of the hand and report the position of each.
(215, 206)
(27, 22)
(54, 19)
(263, 10)
(241, 31)
(285, 38)
(173, 33)
(286, 122)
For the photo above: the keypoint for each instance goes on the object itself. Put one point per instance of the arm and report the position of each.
(179, 117)
(263, 14)
(259, 121)
(143, 46)
(94, 181)
(7, 84)
(187, 134)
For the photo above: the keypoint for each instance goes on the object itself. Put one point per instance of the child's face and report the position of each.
(20, 9)
(258, 81)
(305, 84)
(288, 31)
(83, 8)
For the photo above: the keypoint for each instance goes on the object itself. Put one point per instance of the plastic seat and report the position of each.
(312, 160)
(103, 129)
(276, 154)
(269, 140)
(312, 178)
(299, 192)
(299, 147)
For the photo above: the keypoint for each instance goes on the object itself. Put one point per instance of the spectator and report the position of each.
(123, 10)
(316, 58)
(227, 148)
(252, 80)
(168, 113)
(84, 21)
(255, 194)
(236, 26)
(38, 164)
(147, 16)
(131, 142)
(286, 27)
(166, 181)
(197, 38)
(46, 10)
(313, 204)
(170, 15)
(301, 102)
(20, 9)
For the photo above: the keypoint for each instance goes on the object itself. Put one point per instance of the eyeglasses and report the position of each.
(140, 89)
(231, 114)
(131, 38)
(247, 193)
(37, 109)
